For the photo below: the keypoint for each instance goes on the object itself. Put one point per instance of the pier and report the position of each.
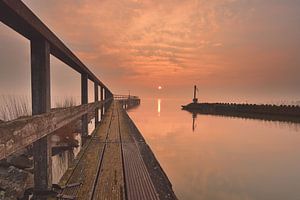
(284, 113)
(115, 161)
(113, 165)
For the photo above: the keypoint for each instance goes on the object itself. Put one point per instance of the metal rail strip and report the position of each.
(73, 192)
(137, 179)
(102, 156)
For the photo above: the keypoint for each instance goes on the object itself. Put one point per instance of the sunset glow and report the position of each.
(150, 99)
(158, 106)
(229, 48)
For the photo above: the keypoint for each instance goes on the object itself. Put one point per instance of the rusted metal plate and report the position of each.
(138, 181)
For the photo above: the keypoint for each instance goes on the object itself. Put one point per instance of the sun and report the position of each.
(159, 88)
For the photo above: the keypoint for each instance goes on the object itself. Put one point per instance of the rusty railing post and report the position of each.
(105, 98)
(102, 99)
(96, 96)
(40, 91)
(107, 95)
(84, 100)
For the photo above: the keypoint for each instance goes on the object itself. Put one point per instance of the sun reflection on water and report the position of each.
(158, 106)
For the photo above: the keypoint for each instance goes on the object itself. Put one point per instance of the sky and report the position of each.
(233, 50)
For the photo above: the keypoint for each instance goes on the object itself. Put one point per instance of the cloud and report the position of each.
(142, 41)
(167, 31)
(218, 44)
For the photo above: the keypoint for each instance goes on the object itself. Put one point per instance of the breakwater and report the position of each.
(289, 113)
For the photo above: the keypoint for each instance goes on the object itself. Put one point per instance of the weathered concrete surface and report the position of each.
(268, 112)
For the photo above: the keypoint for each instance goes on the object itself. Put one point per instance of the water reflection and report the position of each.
(158, 106)
(65, 147)
(279, 124)
(227, 158)
(194, 116)
(66, 144)
(60, 165)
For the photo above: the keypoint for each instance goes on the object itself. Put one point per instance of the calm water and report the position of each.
(223, 158)
(60, 162)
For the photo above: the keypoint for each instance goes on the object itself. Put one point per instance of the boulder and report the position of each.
(14, 182)
(21, 161)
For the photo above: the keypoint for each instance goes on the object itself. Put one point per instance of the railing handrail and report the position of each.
(120, 97)
(19, 133)
(16, 15)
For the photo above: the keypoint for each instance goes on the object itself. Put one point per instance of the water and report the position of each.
(223, 158)
(61, 161)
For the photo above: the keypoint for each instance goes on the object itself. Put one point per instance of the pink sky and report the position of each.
(234, 50)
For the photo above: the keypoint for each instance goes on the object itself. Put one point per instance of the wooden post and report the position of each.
(102, 98)
(40, 91)
(106, 97)
(84, 100)
(96, 96)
